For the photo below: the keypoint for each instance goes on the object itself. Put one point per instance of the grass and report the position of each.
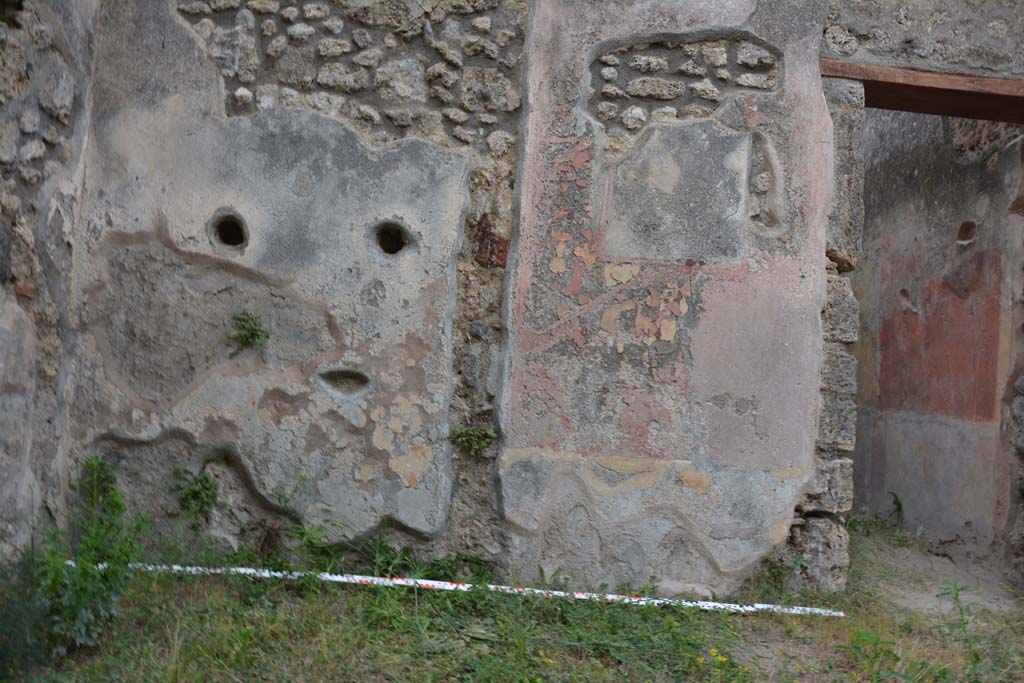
(173, 629)
(204, 629)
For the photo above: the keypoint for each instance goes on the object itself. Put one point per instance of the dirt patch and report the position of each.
(912, 578)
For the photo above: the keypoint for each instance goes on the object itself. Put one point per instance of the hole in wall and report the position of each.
(344, 381)
(9, 10)
(391, 238)
(967, 233)
(908, 302)
(229, 230)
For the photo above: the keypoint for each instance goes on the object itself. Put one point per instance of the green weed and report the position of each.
(472, 441)
(59, 595)
(249, 333)
(197, 494)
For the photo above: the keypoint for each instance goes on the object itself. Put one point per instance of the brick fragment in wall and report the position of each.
(831, 489)
(818, 550)
(838, 370)
(841, 313)
(837, 423)
(845, 99)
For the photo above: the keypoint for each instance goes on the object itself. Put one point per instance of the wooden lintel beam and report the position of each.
(929, 92)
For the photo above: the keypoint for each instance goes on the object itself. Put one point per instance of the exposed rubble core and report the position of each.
(955, 36)
(438, 75)
(676, 79)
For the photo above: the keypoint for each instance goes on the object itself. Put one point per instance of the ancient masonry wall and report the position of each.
(364, 160)
(456, 213)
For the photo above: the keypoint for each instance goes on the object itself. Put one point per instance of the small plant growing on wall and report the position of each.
(472, 441)
(249, 332)
(196, 494)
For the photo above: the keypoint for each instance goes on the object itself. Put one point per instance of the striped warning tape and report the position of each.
(429, 584)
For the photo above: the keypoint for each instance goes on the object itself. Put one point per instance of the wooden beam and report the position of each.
(929, 92)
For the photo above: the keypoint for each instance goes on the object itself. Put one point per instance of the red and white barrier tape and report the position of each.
(429, 584)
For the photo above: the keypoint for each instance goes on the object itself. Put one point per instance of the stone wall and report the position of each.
(45, 63)
(665, 360)
(366, 154)
(937, 287)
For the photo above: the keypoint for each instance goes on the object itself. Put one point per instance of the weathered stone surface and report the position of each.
(401, 81)
(706, 90)
(633, 117)
(831, 489)
(984, 38)
(486, 89)
(837, 423)
(840, 316)
(846, 222)
(263, 6)
(649, 64)
(58, 92)
(655, 88)
(839, 371)
(818, 549)
(753, 55)
(10, 135)
(333, 47)
(661, 388)
(629, 73)
(19, 494)
(339, 77)
(679, 194)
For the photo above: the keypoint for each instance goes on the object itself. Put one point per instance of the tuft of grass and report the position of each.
(472, 441)
(249, 332)
(197, 494)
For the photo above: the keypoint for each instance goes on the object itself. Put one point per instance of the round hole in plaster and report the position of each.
(344, 381)
(229, 230)
(391, 237)
(967, 233)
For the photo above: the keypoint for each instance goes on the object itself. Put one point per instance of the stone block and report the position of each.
(838, 370)
(837, 423)
(831, 489)
(845, 100)
(841, 315)
(818, 553)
